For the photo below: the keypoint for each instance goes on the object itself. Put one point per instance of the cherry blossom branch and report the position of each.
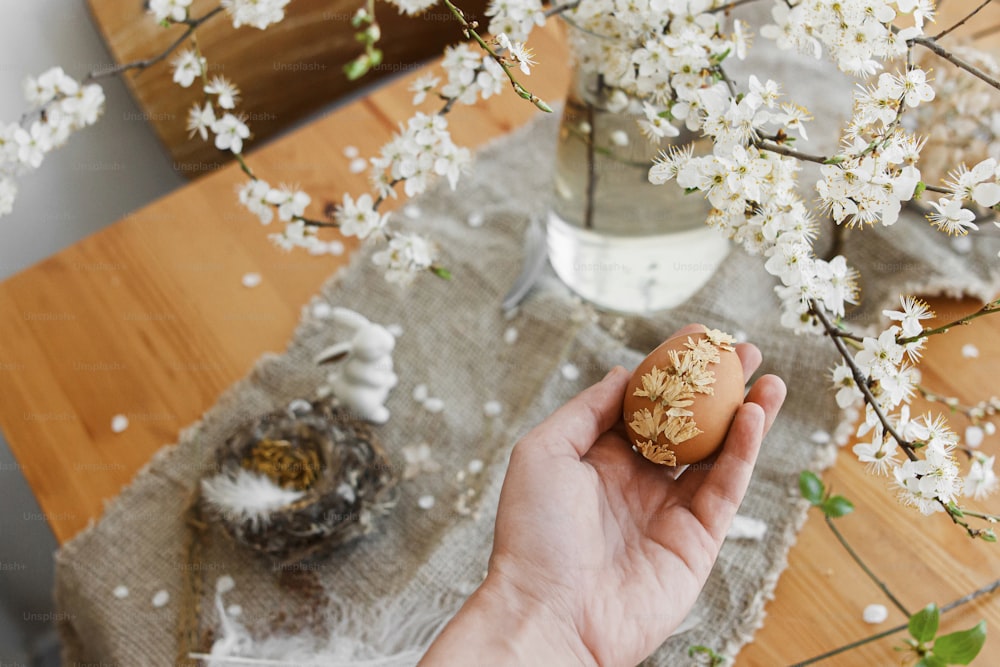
(965, 599)
(989, 308)
(559, 9)
(192, 25)
(961, 22)
(470, 30)
(859, 378)
(931, 45)
(984, 410)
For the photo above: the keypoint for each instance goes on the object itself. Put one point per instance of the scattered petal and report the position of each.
(358, 165)
(420, 393)
(820, 437)
(510, 335)
(425, 502)
(119, 423)
(251, 279)
(120, 592)
(974, 436)
(875, 614)
(434, 405)
(492, 408)
(970, 351)
(619, 138)
(224, 584)
(746, 528)
(351, 152)
(570, 371)
(989, 428)
(412, 211)
(476, 466)
(161, 598)
(476, 219)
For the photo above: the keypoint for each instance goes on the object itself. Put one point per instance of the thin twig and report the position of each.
(930, 44)
(192, 25)
(991, 307)
(559, 9)
(859, 379)
(962, 22)
(985, 590)
(871, 575)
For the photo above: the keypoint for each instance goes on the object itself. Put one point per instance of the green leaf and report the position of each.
(931, 661)
(836, 159)
(837, 506)
(357, 68)
(375, 57)
(960, 648)
(811, 487)
(988, 535)
(919, 190)
(441, 272)
(924, 624)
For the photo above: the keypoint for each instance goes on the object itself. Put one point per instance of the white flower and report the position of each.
(848, 393)
(880, 456)
(226, 90)
(85, 106)
(291, 202)
(655, 127)
(257, 13)
(253, 195)
(8, 193)
(412, 7)
(423, 85)
(230, 132)
(950, 217)
(359, 218)
(50, 84)
(515, 18)
(974, 184)
(200, 120)
(406, 256)
(187, 67)
(169, 10)
(981, 480)
(909, 317)
(33, 143)
(881, 355)
(521, 54)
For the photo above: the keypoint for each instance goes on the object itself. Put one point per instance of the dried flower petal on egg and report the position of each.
(683, 396)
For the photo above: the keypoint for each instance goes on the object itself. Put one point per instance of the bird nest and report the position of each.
(296, 484)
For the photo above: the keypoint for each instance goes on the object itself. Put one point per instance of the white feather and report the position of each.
(246, 496)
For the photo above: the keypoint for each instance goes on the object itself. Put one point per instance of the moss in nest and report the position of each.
(287, 466)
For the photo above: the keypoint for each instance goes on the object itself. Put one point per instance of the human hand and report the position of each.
(599, 554)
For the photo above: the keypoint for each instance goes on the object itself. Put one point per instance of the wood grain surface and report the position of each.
(284, 73)
(149, 319)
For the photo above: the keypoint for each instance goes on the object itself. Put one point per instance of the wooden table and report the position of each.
(149, 319)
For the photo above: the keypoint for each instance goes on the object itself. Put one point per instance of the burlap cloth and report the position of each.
(389, 591)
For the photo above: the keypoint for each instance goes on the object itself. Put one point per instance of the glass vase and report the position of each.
(614, 238)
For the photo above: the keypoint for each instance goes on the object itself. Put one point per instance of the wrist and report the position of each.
(502, 625)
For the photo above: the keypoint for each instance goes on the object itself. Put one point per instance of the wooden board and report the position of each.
(148, 318)
(284, 73)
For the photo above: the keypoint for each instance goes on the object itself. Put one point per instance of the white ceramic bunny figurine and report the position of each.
(362, 382)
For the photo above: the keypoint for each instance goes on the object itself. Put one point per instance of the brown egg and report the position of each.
(682, 398)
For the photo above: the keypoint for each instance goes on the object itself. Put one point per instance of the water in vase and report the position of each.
(614, 238)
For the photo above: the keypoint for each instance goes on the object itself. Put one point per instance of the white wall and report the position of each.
(103, 173)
